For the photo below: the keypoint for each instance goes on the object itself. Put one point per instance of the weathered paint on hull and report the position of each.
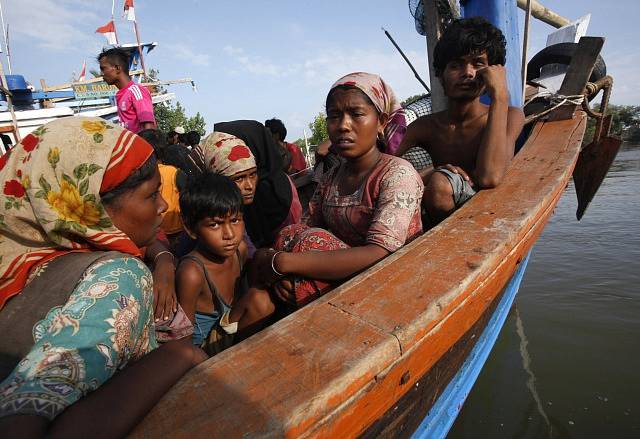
(336, 366)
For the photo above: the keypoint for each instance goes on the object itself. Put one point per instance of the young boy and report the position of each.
(471, 144)
(210, 282)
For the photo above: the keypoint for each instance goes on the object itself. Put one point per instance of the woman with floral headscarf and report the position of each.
(79, 199)
(363, 209)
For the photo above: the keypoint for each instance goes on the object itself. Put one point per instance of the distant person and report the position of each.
(296, 161)
(172, 180)
(195, 153)
(471, 143)
(172, 138)
(135, 109)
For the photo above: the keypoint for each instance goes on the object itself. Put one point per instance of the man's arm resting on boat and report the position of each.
(119, 404)
(503, 127)
(330, 265)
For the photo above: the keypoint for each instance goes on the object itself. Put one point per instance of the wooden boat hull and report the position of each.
(335, 367)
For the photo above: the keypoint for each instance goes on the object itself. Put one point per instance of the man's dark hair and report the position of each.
(116, 57)
(469, 36)
(193, 138)
(135, 179)
(209, 195)
(276, 127)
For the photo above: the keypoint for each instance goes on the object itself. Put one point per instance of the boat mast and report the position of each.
(130, 14)
(115, 31)
(433, 26)
(5, 35)
(135, 28)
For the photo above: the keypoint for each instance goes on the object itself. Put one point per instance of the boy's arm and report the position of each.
(503, 127)
(189, 282)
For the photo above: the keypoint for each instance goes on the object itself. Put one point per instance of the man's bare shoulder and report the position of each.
(427, 120)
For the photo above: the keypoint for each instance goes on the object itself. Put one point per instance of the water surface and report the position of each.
(567, 363)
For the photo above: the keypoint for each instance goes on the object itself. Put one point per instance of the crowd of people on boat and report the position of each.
(128, 255)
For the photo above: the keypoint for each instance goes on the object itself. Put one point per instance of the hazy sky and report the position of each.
(259, 59)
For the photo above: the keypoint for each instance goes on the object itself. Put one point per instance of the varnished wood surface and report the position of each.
(334, 367)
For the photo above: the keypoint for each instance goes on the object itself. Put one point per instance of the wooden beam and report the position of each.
(544, 14)
(578, 73)
(88, 81)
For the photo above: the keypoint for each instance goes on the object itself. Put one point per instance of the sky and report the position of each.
(257, 59)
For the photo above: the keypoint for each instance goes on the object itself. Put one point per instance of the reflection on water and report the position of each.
(567, 363)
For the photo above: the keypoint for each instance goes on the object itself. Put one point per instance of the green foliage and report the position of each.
(625, 123)
(412, 99)
(318, 129)
(168, 115)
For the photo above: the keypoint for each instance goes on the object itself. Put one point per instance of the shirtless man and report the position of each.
(471, 144)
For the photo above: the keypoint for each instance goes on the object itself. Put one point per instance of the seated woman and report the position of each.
(363, 209)
(276, 202)
(78, 347)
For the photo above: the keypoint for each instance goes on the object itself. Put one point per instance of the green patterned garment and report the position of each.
(106, 323)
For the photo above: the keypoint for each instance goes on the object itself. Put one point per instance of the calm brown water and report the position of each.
(567, 363)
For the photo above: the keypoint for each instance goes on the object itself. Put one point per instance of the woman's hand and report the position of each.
(164, 291)
(284, 290)
(261, 270)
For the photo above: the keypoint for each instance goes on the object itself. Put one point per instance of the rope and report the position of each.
(555, 99)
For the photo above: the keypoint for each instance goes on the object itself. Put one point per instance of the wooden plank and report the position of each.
(543, 14)
(334, 367)
(281, 389)
(578, 73)
(408, 412)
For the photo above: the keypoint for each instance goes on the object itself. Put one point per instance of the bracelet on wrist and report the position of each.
(273, 264)
(163, 252)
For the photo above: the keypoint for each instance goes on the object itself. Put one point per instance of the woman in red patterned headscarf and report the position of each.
(80, 198)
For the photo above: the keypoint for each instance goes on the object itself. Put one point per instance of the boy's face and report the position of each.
(460, 78)
(221, 236)
(246, 182)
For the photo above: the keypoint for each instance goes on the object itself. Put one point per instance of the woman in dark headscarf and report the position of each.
(276, 202)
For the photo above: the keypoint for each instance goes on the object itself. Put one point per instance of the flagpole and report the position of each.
(4, 35)
(135, 28)
(113, 11)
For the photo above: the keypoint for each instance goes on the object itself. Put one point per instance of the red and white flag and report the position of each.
(109, 32)
(83, 71)
(129, 13)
